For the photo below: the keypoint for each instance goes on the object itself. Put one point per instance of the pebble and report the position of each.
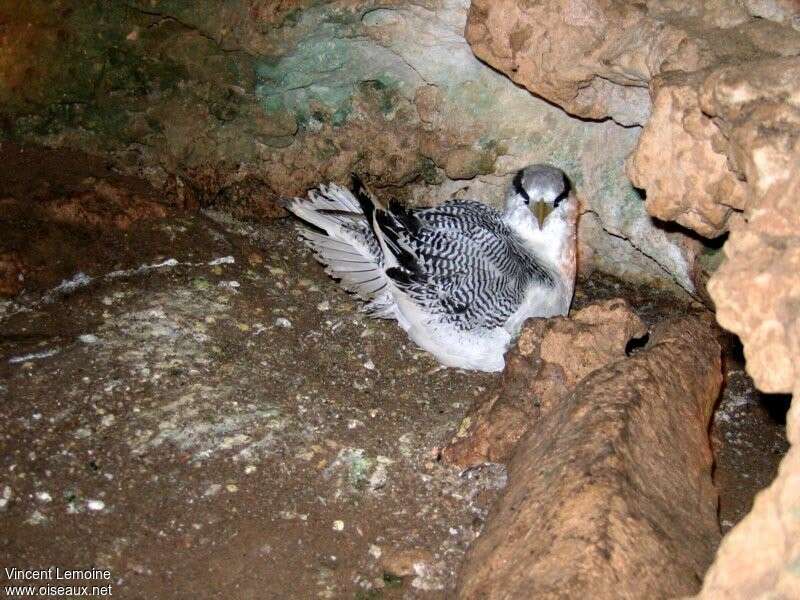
(44, 497)
(283, 322)
(95, 505)
(401, 563)
(323, 306)
(378, 478)
(212, 490)
(82, 433)
(5, 498)
(36, 518)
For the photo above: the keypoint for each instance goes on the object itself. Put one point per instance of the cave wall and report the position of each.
(719, 153)
(237, 103)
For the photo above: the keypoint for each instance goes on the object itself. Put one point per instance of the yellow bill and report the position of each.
(540, 210)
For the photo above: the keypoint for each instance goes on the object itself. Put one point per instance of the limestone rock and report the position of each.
(717, 140)
(782, 11)
(680, 135)
(610, 492)
(554, 50)
(757, 288)
(714, 73)
(597, 58)
(733, 135)
(551, 356)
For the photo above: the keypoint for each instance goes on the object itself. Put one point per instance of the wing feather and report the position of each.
(460, 261)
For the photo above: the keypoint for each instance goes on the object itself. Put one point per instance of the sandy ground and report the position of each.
(206, 415)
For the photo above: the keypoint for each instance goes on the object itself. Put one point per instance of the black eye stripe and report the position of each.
(518, 186)
(564, 193)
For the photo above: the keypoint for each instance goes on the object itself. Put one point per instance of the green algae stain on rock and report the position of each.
(429, 173)
(309, 77)
(384, 92)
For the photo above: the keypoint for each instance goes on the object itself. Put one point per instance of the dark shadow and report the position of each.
(673, 227)
(775, 405)
(634, 345)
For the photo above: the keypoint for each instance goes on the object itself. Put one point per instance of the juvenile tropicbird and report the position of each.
(459, 278)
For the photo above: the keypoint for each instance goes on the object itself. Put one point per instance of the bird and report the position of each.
(460, 278)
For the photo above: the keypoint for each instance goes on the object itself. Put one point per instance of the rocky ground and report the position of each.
(199, 409)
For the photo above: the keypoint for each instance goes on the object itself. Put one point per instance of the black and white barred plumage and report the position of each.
(463, 263)
(461, 277)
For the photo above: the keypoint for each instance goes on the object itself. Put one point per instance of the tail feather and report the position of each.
(321, 240)
(328, 208)
(345, 248)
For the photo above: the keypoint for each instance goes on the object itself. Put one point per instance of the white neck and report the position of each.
(554, 244)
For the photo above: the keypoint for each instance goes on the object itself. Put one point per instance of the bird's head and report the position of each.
(544, 191)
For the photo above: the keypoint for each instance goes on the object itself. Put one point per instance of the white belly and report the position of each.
(540, 302)
(481, 349)
(477, 350)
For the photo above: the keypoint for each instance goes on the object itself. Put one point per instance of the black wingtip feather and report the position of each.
(364, 199)
(399, 276)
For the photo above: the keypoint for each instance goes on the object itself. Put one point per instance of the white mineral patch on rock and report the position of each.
(224, 260)
(33, 356)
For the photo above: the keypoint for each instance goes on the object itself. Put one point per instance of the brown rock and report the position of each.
(610, 492)
(549, 359)
(490, 432)
(717, 140)
(564, 52)
(686, 179)
(12, 270)
(751, 119)
(782, 11)
(757, 288)
(596, 58)
(401, 562)
(105, 206)
(596, 335)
